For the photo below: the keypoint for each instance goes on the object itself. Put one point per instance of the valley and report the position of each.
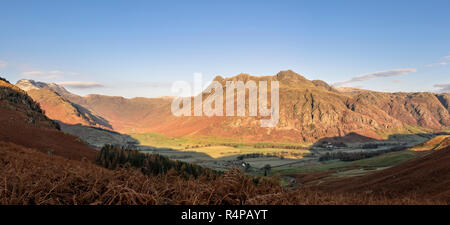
(319, 125)
(284, 158)
(309, 150)
(195, 110)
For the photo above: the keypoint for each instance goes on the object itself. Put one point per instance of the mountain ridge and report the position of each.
(53, 100)
(309, 110)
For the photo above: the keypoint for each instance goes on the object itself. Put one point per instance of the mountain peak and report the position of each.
(289, 75)
(218, 78)
(27, 85)
(288, 78)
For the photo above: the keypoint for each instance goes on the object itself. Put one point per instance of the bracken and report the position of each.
(28, 176)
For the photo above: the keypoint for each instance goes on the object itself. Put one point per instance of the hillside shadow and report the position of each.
(351, 141)
(184, 155)
(393, 139)
(98, 137)
(98, 119)
(350, 137)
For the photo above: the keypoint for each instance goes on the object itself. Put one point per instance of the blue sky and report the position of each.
(138, 48)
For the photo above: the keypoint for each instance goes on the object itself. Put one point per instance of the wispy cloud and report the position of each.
(159, 84)
(443, 87)
(80, 84)
(34, 73)
(442, 62)
(47, 74)
(3, 64)
(437, 64)
(56, 72)
(155, 84)
(369, 76)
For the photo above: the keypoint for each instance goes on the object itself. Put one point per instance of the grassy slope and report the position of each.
(381, 161)
(427, 176)
(432, 144)
(407, 129)
(341, 169)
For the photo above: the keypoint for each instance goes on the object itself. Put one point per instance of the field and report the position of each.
(364, 165)
(221, 153)
(189, 143)
(318, 172)
(283, 158)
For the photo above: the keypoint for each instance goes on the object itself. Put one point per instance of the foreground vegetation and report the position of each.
(114, 157)
(32, 177)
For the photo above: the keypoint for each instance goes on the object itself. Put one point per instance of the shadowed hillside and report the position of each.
(16, 101)
(98, 137)
(23, 122)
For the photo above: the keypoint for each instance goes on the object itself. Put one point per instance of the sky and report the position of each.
(139, 48)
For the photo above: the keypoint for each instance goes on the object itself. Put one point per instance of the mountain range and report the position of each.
(36, 154)
(309, 111)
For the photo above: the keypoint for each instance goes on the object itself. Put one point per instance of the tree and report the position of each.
(247, 167)
(267, 169)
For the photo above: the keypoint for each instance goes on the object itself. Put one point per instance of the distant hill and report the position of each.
(423, 109)
(58, 107)
(309, 111)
